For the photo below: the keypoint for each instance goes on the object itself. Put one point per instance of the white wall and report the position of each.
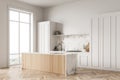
(75, 16)
(4, 45)
(76, 19)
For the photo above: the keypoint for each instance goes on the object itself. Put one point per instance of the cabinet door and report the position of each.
(58, 64)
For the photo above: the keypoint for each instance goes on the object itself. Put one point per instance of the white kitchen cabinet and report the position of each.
(46, 30)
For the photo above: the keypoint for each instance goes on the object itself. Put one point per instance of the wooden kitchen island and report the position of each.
(64, 64)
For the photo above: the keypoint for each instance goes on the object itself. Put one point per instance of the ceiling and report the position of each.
(46, 3)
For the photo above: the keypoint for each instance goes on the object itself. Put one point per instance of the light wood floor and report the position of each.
(16, 73)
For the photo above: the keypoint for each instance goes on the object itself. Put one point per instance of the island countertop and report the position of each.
(54, 53)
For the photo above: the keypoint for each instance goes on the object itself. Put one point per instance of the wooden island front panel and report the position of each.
(45, 62)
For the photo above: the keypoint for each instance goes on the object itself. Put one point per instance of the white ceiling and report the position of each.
(46, 3)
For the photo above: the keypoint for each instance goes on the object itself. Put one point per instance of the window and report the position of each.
(20, 34)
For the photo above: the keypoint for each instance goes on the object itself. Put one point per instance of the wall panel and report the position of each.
(95, 51)
(105, 43)
(118, 42)
(113, 41)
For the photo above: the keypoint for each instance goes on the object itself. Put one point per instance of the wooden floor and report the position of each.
(16, 73)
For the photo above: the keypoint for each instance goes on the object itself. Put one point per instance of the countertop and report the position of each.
(54, 53)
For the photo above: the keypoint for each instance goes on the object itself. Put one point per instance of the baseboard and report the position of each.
(100, 68)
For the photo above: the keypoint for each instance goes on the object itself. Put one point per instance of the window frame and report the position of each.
(30, 30)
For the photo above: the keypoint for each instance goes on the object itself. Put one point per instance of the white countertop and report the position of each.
(63, 52)
(54, 53)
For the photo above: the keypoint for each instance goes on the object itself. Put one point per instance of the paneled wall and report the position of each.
(105, 43)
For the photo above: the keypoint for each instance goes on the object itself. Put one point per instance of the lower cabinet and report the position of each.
(44, 62)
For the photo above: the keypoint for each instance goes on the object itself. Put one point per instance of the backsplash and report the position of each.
(75, 43)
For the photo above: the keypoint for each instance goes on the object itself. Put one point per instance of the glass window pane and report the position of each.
(31, 26)
(14, 37)
(14, 59)
(14, 15)
(19, 35)
(24, 37)
(24, 17)
(20, 58)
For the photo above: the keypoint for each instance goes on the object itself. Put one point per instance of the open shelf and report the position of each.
(82, 35)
